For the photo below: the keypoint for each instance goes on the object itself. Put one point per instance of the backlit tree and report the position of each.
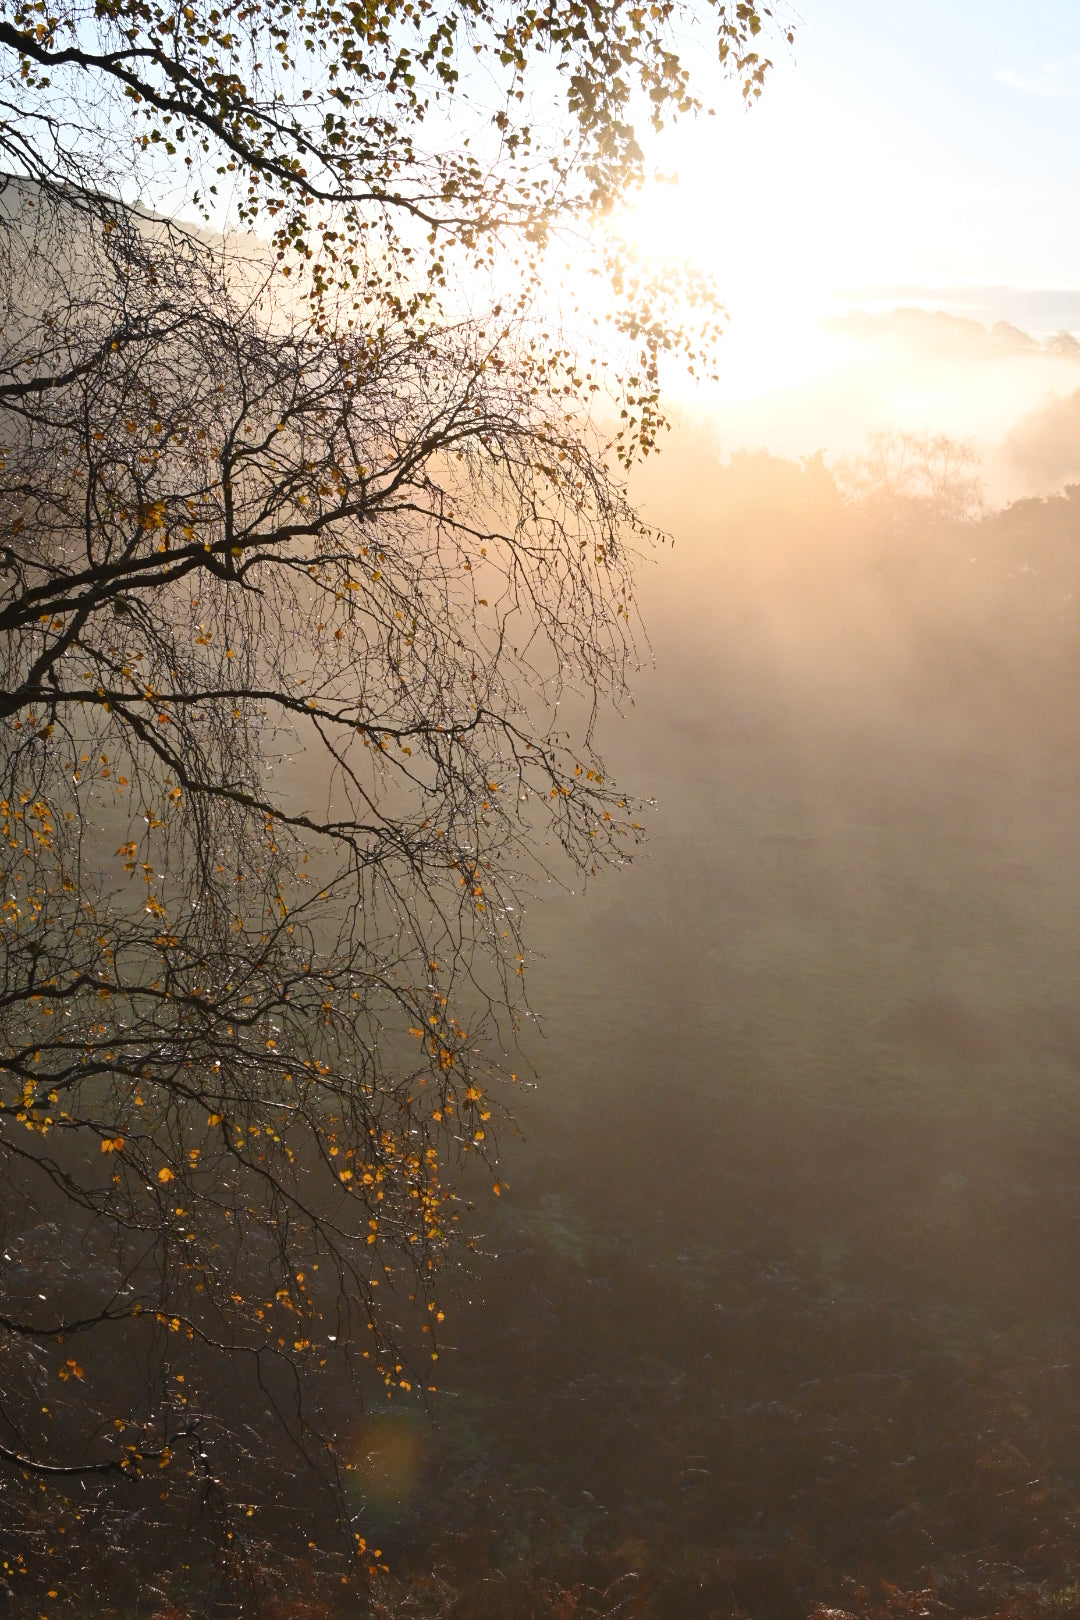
(315, 572)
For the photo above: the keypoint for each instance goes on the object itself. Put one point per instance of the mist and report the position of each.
(820, 375)
(778, 1310)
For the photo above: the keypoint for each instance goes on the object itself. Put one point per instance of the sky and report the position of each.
(920, 153)
(913, 145)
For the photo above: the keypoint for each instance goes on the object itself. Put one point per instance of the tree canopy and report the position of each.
(317, 106)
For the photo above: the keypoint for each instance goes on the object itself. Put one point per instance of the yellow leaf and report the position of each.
(165, 1174)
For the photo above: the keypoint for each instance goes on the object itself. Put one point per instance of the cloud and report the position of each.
(1051, 79)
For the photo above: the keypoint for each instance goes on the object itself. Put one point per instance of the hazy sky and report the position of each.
(909, 143)
(905, 152)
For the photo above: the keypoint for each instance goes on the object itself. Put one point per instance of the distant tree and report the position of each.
(300, 556)
(905, 475)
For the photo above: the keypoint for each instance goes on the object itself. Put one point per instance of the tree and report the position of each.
(904, 475)
(319, 109)
(295, 583)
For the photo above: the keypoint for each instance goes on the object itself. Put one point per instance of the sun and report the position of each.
(774, 333)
